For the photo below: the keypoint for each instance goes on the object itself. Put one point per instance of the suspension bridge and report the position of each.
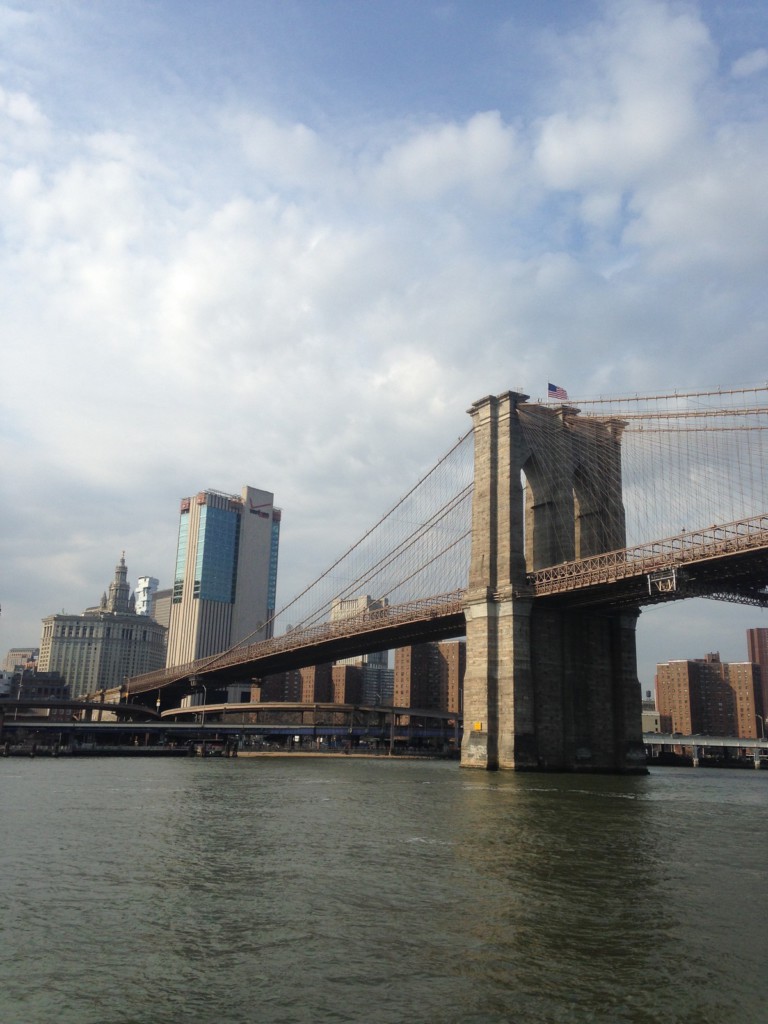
(539, 536)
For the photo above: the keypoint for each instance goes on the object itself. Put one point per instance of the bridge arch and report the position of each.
(546, 687)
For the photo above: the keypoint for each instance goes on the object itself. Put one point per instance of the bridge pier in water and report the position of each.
(547, 687)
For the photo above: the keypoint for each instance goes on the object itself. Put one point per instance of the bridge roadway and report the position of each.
(724, 560)
(661, 739)
(729, 559)
(318, 710)
(129, 737)
(435, 618)
(236, 722)
(10, 708)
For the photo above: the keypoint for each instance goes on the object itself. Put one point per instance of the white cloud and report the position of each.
(312, 308)
(750, 63)
(19, 107)
(283, 155)
(478, 157)
(629, 99)
(711, 212)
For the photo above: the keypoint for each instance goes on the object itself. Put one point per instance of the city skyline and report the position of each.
(293, 242)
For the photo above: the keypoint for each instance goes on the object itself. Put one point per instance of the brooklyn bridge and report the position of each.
(539, 536)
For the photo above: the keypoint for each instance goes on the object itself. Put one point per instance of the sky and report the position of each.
(289, 242)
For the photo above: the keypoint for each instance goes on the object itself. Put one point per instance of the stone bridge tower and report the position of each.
(547, 686)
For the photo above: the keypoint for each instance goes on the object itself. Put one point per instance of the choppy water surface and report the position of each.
(201, 891)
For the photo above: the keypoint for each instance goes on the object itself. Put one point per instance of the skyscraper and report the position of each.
(225, 583)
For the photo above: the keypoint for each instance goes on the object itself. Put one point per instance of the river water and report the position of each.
(342, 890)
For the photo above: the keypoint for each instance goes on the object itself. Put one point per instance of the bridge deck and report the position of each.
(652, 569)
(437, 617)
(730, 558)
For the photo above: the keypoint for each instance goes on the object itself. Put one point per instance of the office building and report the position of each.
(376, 678)
(757, 653)
(452, 663)
(6, 684)
(144, 593)
(20, 658)
(378, 683)
(105, 645)
(430, 676)
(278, 687)
(710, 697)
(225, 582)
(160, 610)
(347, 684)
(316, 684)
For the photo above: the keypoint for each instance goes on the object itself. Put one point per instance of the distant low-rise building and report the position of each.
(653, 720)
(43, 687)
(20, 658)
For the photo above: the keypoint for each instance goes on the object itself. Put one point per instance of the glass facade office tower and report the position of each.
(225, 583)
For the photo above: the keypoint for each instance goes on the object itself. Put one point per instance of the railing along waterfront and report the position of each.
(369, 621)
(659, 555)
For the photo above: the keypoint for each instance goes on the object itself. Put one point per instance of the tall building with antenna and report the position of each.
(225, 583)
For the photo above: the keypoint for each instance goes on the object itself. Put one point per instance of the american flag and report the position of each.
(554, 391)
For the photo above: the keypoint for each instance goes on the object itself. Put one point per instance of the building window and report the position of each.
(216, 557)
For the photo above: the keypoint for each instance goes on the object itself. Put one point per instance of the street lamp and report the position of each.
(762, 725)
(195, 681)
